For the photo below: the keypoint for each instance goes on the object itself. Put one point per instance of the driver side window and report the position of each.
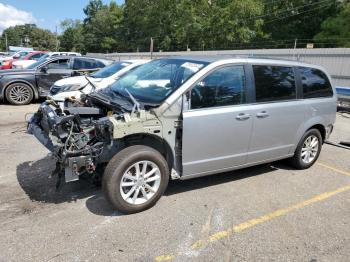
(59, 64)
(223, 87)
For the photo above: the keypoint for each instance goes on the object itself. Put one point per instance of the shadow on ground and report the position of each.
(34, 179)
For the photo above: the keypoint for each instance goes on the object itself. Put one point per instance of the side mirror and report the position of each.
(44, 69)
(16, 56)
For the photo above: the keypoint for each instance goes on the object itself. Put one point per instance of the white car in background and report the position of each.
(78, 85)
(21, 64)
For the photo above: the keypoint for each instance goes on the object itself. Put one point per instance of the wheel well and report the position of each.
(22, 82)
(152, 141)
(322, 130)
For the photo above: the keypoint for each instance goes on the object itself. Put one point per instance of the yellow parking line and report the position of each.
(333, 168)
(253, 222)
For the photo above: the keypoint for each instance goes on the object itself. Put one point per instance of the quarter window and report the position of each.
(223, 87)
(274, 83)
(315, 83)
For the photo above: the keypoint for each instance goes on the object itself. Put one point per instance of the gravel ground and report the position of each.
(265, 213)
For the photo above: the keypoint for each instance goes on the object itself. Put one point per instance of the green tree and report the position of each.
(102, 29)
(193, 23)
(31, 36)
(91, 9)
(201, 24)
(221, 24)
(336, 30)
(41, 39)
(72, 38)
(295, 19)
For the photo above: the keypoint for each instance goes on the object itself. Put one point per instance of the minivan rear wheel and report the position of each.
(135, 179)
(308, 150)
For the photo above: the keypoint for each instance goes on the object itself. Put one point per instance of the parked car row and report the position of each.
(21, 86)
(180, 118)
(21, 56)
(23, 59)
(79, 85)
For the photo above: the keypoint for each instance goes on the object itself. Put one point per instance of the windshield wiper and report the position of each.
(136, 104)
(93, 86)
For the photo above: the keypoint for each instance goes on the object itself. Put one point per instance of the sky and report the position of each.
(45, 13)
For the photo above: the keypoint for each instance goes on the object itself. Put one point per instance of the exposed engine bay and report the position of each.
(84, 134)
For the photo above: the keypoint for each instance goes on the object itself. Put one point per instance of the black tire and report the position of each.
(296, 161)
(19, 94)
(119, 164)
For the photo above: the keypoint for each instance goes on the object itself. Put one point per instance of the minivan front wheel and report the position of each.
(308, 149)
(135, 179)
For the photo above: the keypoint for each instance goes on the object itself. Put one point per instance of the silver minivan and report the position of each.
(185, 117)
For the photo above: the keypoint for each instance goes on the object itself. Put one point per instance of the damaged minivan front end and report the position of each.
(82, 137)
(76, 136)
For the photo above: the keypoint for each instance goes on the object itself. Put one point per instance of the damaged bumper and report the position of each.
(36, 130)
(76, 138)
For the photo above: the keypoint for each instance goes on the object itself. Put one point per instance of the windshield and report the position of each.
(110, 70)
(153, 82)
(44, 57)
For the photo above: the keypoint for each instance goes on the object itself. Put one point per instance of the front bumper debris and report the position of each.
(76, 143)
(34, 129)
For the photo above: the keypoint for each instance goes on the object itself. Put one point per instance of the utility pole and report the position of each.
(295, 47)
(151, 48)
(6, 43)
(56, 40)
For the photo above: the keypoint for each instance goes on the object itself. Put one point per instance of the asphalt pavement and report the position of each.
(266, 213)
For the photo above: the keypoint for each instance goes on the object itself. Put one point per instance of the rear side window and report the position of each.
(90, 64)
(274, 83)
(315, 83)
(99, 64)
(223, 87)
(78, 64)
(84, 64)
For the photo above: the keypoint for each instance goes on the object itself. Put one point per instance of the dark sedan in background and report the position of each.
(20, 87)
(343, 94)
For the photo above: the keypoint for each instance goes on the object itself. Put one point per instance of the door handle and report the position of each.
(262, 114)
(242, 116)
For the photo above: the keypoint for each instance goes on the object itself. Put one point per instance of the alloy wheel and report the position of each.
(140, 182)
(19, 94)
(310, 149)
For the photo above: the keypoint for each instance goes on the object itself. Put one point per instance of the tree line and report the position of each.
(176, 25)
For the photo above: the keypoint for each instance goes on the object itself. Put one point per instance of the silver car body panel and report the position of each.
(215, 141)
